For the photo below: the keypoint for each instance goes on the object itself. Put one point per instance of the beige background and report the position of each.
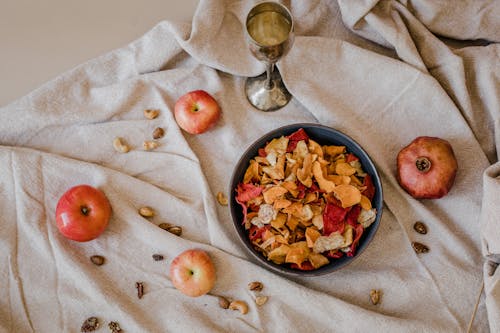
(41, 39)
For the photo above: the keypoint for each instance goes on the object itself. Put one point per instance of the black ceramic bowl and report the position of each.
(324, 136)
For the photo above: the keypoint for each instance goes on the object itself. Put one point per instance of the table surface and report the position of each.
(42, 39)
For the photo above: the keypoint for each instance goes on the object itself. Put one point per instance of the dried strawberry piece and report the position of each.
(247, 192)
(351, 158)
(295, 137)
(256, 232)
(358, 231)
(330, 198)
(352, 216)
(304, 266)
(262, 152)
(333, 219)
(302, 190)
(370, 188)
(315, 188)
(335, 254)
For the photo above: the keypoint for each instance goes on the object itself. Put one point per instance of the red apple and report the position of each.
(82, 213)
(196, 111)
(427, 168)
(193, 273)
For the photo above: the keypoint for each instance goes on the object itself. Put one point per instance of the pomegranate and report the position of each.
(427, 167)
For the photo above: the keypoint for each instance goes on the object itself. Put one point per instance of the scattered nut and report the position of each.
(114, 327)
(223, 302)
(221, 198)
(164, 226)
(492, 267)
(120, 145)
(176, 230)
(97, 260)
(140, 289)
(151, 114)
(419, 247)
(255, 286)
(375, 296)
(150, 145)
(261, 300)
(157, 257)
(146, 211)
(90, 324)
(420, 227)
(158, 133)
(241, 306)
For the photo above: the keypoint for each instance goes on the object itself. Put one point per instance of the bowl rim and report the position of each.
(283, 270)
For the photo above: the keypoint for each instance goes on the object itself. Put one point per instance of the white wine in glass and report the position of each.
(269, 27)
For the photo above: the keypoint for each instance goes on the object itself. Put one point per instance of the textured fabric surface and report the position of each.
(380, 71)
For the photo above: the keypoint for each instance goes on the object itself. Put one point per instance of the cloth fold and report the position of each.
(401, 83)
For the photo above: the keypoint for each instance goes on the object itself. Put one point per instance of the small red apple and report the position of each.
(196, 111)
(427, 168)
(82, 213)
(193, 273)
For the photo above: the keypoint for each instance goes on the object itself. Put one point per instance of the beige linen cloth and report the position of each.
(372, 69)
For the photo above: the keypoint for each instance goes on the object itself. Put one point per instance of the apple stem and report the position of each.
(85, 210)
(423, 164)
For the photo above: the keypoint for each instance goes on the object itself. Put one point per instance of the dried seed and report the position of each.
(221, 198)
(261, 300)
(419, 247)
(223, 302)
(146, 211)
(164, 226)
(158, 133)
(255, 286)
(151, 114)
(120, 145)
(97, 260)
(375, 296)
(239, 305)
(114, 327)
(150, 145)
(492, 267)
(420, 227)
(176, 230)
(140, 289)
(90, 324)
(157, 257)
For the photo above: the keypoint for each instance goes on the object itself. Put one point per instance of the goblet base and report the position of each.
(267, 98)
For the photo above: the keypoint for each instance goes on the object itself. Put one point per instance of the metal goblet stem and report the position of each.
(269, 32)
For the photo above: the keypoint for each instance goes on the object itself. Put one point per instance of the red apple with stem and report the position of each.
(82, 213)
(193, 273)
(196, 111)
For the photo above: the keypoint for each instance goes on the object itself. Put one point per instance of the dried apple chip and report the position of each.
(277, 171)
(317, 260)
(365, 203)
(278, 145)
(324, 184)
(279, 254)
(252, 173)
(279, 221)
(344, 169)
(334, 150)
(311, 235)
(326, 243)
(300, 150)
(273, 193)
(305, 173)
(315, 148)
(298, 253)
(347, 194)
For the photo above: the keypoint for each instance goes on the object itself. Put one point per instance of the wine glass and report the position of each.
(269, 35)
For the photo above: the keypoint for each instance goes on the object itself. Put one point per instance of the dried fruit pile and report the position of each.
(305, 204)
